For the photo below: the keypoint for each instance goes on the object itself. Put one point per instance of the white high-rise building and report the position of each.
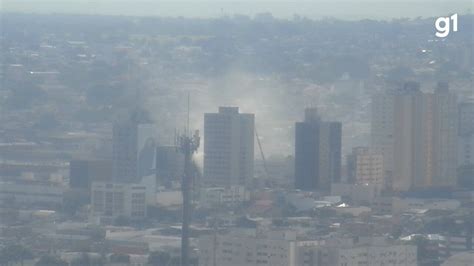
(228, 147)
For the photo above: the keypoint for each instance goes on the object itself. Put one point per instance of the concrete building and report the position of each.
(317, 153)
(377, 255)
(365, 166)
(112, 200)
(31, 194)
(83, 172)
(466, 150)
(466, 118)
(400, 205)
(223, 196)
(416, 133)
(466, 134)
(146, 152)
(134, 150)
(444, 142)
(228, 147)
(169, 165)
(248, 248)
(282, 248)
(357, 193)
(382, 128)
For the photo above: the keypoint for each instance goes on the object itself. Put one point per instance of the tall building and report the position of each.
(134, 149)
(228, 147)
(466, 134)
(445, 137)
(381, 135)
(146, 153)
(416, 133)
(466, 118)
(169, 164)
(83, 172)
(408, 126)
(365, 166)
(317, 152)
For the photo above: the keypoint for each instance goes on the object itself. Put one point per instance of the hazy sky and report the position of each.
(349, 9)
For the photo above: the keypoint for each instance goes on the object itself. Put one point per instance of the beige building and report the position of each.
(368, 166)
(228, 147)
(416, 133)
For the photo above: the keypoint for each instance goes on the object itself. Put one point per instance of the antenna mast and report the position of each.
(188, 146)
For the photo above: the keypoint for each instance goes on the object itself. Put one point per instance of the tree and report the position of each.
(50, 261)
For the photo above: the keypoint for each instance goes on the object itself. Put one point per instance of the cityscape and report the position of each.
(235, 140)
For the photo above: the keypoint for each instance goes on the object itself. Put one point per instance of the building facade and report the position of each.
(169, 165)
(365, 166)
(416, 133)
(317, 152)
(83, 172)
(112, 200)
(134, 150)
(228, 147)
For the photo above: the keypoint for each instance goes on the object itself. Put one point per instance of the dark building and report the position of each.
(83, 172)
(125, 150)
(169, 165)
(317, 153)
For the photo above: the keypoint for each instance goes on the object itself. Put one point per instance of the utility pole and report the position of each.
(188, 146)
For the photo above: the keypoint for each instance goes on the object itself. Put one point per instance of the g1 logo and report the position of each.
(443, 25)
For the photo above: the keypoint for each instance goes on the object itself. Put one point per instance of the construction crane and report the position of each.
(267, 175)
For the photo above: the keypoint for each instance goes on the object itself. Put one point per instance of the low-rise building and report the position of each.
(223, 196)
(112, 200)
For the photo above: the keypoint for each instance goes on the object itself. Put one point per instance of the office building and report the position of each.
(228, 147)
(169, 165)
(416, 133)
(317, 152)
(112, 200)
(466, 118)
(466, 134)
(83, 172)
(365, 166)
(134, 148)
(31, 194)
(382, 122)
(281, 247)
(445, 137)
